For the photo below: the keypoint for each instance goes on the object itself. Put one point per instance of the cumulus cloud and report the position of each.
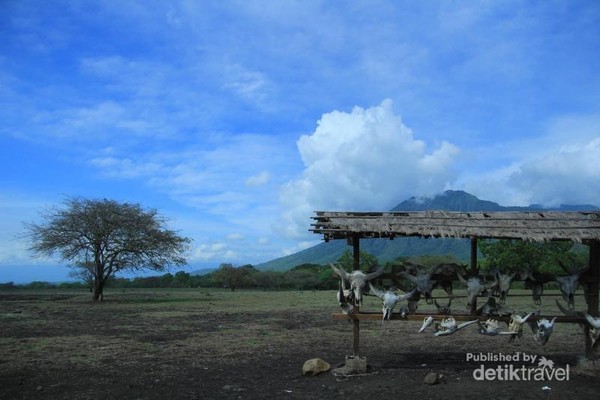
(567, 176)
(366, 159)
(212, 252)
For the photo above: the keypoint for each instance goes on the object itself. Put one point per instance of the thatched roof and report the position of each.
(537, 226)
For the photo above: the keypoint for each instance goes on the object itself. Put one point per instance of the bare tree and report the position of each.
(110, 237)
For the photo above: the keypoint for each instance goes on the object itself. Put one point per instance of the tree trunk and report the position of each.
(98, 289)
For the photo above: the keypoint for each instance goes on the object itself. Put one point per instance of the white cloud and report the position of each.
(211, 252)
(260, 179)
(570, 175)
(365, 159)
(252, 86)
(235, 236)
(125, 168)
(560, 167)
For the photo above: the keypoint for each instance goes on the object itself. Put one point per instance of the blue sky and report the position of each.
(238, 119)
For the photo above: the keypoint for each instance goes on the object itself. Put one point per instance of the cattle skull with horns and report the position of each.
(358, 281)
(474, 287)
(535, 282)
(422, 282)
(516, 325)
(568, 285)
(504, 282)
(491, 328)
(389, 299)
(542, 329)
(448, 326)
(594, 328)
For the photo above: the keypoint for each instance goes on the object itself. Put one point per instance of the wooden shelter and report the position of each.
(580, 227)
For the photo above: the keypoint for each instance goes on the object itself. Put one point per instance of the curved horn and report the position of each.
(376, 291)
(409, 295)
(375, 274)
(433, 270)
(594, 322)
(564, 310)
(340, 271)
(461, 278)
(410, 277)
(491, 285)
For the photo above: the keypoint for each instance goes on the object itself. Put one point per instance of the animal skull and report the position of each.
(594, 328)
(358, 280)
(427, 321)
(390, 299)
(537, 287)
(423, 282)
(404, 310)
(516, 325)
(568, 285)
(491, 328)
(504, 282)
(542, 330)
(474, 287)
(345, 298)
(443, 309)
(448, 326)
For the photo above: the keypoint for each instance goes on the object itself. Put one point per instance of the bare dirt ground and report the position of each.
(199, 344)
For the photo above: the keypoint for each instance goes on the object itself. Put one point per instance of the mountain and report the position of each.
(388, 250)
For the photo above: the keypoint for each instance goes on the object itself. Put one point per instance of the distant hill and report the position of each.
(388, 250)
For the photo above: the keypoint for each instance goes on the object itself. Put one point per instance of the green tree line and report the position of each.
(501, 255)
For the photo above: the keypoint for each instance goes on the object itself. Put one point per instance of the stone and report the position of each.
(432, 378)
(355, 365)
(315, 366)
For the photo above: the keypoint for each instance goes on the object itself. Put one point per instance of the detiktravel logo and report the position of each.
(516, 367)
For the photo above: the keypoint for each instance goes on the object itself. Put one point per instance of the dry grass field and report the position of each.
(218, 344)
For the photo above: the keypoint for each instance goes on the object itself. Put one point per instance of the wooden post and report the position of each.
(592, 291)
(356, 322)
(474, 270)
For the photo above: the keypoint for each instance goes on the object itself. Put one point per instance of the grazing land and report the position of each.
(218, 344)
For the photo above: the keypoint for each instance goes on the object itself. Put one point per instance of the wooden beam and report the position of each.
(356, 322)
(474, 270)
(593, 280)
